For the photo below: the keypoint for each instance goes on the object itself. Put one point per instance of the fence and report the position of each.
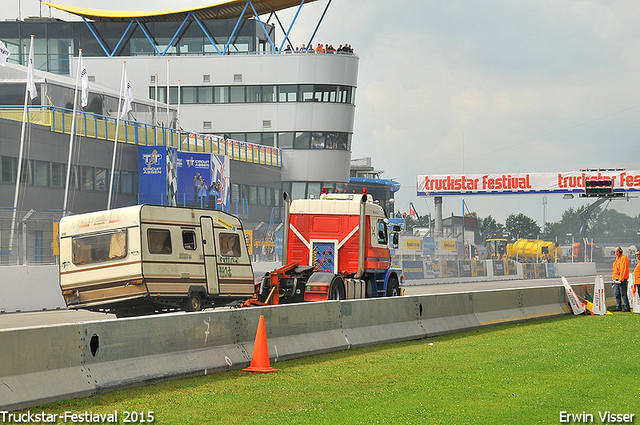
(33, 240)
(141, 134)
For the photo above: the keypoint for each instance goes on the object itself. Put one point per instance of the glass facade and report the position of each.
(56, 41)
(255, 94)
(296, 139)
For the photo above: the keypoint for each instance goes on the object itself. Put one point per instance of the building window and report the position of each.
(306, 93)
(9, 169)
(42, 173)
(58, 173)
(101, 179)
(221, 94)
(287, 93)
(269, 139)
(189, 95)
(317, 140)
(302, 140)
(237, 94)
(253, 195)
(254, 94)
(298, 190)
(285, 140)
(126, 183)
(269, 94)
(205, 94)
(87, 178)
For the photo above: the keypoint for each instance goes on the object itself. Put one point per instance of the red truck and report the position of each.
(334, 247)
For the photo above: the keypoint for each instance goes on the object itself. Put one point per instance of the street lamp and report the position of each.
(571, 250)
(391, 202)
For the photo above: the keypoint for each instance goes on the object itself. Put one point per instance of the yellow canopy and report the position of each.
(219, 10)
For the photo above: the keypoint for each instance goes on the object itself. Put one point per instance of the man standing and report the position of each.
(620, 279)
(636, 277)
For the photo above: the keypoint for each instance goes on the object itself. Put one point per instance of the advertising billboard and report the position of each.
(169, 177)
(523, 183)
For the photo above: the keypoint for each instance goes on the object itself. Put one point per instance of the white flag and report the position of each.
(4, 53)
(31, 83)
(128, 97)
(85, 83)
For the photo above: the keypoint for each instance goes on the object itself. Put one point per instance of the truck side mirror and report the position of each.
(394, 241)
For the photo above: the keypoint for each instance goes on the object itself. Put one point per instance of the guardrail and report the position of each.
(137, 133)
(49, 363)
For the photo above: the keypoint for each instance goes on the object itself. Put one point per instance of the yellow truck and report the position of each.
(146, 258)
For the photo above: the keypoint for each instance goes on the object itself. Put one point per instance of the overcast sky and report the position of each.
(507, 86)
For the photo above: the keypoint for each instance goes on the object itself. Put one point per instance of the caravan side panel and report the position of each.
(100, 258)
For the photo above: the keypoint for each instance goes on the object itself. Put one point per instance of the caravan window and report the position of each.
(159, 241)
(102, 247)
(189, 239)
(230, 244)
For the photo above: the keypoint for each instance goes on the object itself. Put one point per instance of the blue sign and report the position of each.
(428, 245)
(169, 177)
(413, 269)
(152, 174)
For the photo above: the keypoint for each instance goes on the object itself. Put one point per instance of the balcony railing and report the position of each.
(141, 134)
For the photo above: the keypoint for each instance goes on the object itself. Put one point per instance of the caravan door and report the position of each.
(209, 249)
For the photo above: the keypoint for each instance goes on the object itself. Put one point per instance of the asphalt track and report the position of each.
(54, 317)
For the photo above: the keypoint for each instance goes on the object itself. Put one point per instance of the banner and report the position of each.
(523, 183)
(428, 246)
(413, 269)
(169, 177)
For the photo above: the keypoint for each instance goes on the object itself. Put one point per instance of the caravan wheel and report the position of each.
(193, 303)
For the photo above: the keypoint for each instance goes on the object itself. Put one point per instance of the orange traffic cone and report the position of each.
(260, 356)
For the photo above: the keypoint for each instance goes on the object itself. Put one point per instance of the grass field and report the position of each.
(515, 374)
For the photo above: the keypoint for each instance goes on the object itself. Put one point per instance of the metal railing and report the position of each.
(141, 134)
(34, 241)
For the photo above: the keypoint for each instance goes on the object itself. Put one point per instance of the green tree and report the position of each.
(488, 228)
(521, 226)
(570, 222)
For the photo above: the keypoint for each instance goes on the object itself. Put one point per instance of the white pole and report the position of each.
(115, 141)
(155, 103)
(19, 176)
(73, 132)
(178, 116)
(167, 99)
(155, 131)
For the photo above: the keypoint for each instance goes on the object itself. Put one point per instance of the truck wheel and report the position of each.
(336, 289)
(193, 303)
(393, 288)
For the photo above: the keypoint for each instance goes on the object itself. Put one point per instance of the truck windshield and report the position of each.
(101, 247)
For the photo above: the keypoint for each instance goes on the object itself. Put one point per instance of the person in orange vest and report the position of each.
(620, 279)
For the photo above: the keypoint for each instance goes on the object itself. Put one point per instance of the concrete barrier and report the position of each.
(30, 288)
(48, 363)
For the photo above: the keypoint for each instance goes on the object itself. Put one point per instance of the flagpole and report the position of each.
(73, 132)
(115, 142)
(167, 99)
(24, 119)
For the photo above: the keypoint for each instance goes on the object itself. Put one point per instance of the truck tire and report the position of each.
(336, 289)
(193, 302)
(393, 287)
